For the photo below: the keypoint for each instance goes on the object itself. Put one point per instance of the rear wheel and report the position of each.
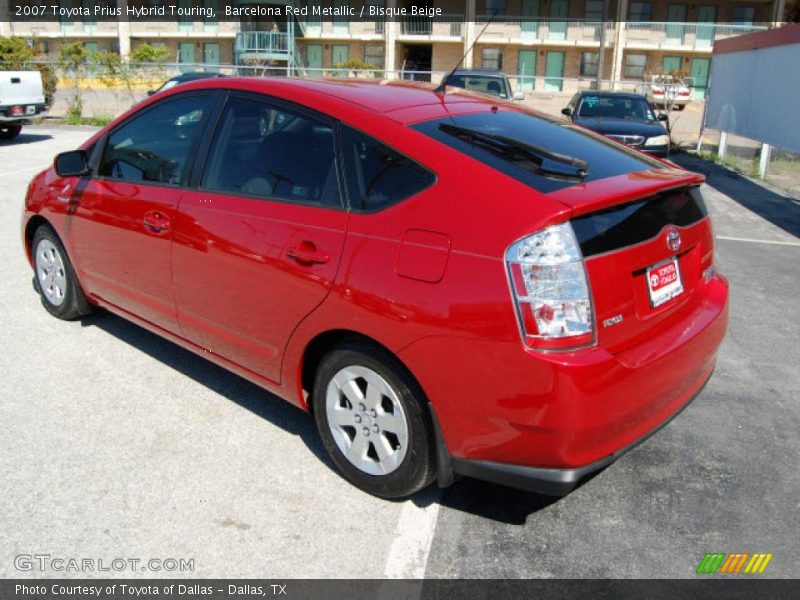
(55, 279)
(373, 421)
(8, 131)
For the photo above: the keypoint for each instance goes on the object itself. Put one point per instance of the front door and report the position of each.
(699, 76)
(530, 22)
(559, 9)
(340, 54)
(122, 219)
(313, 25)
(706, 19)
(526, 69)
(211, 56)
(341, 25)
(257, 245)
(314, 60)
(554, 72)
(671, 64)
(186, 56)
(676, 28)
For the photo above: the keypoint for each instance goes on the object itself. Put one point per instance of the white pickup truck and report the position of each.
(21, 97)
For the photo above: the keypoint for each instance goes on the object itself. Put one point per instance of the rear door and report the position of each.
(258, 242)
(122, 219)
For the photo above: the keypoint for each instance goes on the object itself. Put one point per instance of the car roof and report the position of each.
(610, 94)
(479, 72)
(195, 75)
(405, 102)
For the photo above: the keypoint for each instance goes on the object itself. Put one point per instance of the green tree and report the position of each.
(15, 53)
(74, 59)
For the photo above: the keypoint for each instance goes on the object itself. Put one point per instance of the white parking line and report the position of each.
(753, 241)
(408, 555)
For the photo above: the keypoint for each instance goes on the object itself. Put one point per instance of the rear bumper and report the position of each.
(7, 117)
(544, 421)
(552, 482)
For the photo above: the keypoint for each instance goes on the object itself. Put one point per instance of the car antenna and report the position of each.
(440, 89)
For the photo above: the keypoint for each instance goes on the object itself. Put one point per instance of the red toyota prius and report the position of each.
(451, 285)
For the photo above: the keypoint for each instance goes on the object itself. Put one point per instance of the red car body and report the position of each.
(424, 278)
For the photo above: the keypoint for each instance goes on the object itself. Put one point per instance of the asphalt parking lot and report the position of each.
(116, 443)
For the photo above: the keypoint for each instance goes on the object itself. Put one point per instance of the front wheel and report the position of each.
(55, 278)
(373, 420)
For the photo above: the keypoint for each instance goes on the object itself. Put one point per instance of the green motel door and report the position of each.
(671, 63)
(706, 19)
(554, 72)
(314, 60)
(526, 70)
(559, 9)
(699, 76)
(530, 14)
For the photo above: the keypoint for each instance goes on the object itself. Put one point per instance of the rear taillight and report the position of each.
(550, 290)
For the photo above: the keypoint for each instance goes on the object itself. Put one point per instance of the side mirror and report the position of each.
(72, 164)
(518, 95)
(150, 92)
(662, 117)
(566, 111)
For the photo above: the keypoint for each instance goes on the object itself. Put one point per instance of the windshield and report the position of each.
(613, 107)
(485, 84)
(602, 157)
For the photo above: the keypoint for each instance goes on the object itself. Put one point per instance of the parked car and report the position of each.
(21, 97)
(625, 117)
(665, 91)
(450, 286)
(184, 78)
(486, 81)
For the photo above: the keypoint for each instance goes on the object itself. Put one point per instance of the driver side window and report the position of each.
(154, 146)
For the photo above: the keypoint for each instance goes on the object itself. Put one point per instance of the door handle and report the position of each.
(306, 252)
(155, 221)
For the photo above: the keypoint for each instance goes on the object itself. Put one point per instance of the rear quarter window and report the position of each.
(378, 176)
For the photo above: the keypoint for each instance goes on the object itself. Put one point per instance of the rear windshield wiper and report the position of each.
(506, 146)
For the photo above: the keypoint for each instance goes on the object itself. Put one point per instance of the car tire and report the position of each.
(374, 421)
(9, 131)
(54, 277)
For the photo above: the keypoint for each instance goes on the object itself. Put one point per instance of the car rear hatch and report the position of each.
(648, 245)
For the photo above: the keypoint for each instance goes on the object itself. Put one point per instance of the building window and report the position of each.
(635, 65)
(495, 5)
(492, 58)
(641, 11)
(595, 10)
(373, 55)
(743, 15)
(589, 63)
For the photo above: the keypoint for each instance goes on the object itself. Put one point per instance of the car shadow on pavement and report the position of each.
(782, 211)
(26, 138)
(225, 383)
(495, 502)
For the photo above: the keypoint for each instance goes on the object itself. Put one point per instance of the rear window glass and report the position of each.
(493, 86)
(604, 158)
(378, 176)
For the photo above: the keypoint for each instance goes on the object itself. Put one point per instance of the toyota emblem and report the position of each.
(673, 239)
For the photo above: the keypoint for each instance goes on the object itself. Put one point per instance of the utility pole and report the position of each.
(601, 57)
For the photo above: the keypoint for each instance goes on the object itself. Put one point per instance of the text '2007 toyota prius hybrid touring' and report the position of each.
(452, 285)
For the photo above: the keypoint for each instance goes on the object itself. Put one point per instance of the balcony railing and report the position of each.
(686, 35)
(262, 42)
(447, 26)
(568, 31)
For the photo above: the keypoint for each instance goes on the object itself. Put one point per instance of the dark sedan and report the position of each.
(625, 117)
